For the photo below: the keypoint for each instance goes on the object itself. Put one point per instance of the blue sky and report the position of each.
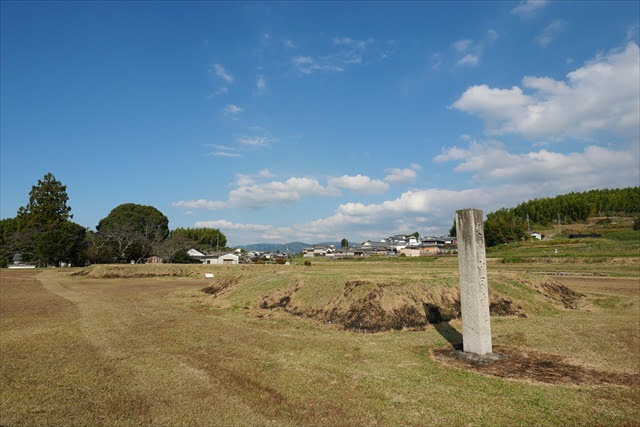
(291, 121)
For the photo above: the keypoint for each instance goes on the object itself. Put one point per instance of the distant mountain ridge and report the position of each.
(292, 247)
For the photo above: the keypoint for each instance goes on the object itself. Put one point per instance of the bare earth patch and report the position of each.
(536, 366)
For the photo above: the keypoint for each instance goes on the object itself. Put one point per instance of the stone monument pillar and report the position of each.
(474, 288)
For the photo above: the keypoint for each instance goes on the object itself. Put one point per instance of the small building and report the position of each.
(429, 250)
(536, 236)
(194, 253)
(411, 251)
(211, 258)
(16, 262)
(229, 259)
(154, 260)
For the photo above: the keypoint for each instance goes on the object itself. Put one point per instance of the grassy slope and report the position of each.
(137, 351)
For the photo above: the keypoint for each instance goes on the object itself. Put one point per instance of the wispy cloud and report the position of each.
(223, 73)
(469, 59)
(632, 31)
(436, 61)
(223, 151)
(288, 44)
(225, 154)
(308, 65)
(218, 92)
(261, 85)
(343, 52)
(199, 204)
(232, 109)
(254, 141)
(469, 52)
(550, 32)
(529, 8)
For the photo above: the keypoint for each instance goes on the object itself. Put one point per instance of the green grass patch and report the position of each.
(633, 235)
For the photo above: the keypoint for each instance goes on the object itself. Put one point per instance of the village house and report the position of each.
(411, 251)
(318, 250)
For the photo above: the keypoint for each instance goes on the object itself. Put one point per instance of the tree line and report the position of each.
(510, 224)
(42, 232)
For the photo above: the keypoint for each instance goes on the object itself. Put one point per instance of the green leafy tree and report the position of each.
(65, 243)
(44, 232)
(344, 243)
(416, 235)
(452, 230)
(8, 227)
(133, 230)
(203, 239)
(47, 205)
(503, 226)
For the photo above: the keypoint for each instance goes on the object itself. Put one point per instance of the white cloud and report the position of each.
(529, 8)
(359, 184)
(250, 194)
(244, 180)
(228, 225)
(232, 109)
(595, 167)
(601, 96)
(277, 192)
(266, 173)
(288, 44)
(550, 32)
(406, 175)
(222, 73)
(261, 85)
(505, 179)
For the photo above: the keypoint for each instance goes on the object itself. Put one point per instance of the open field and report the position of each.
(83, 349)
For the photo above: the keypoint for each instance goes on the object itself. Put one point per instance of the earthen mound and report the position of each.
(371, 307)
(127, 271)
(220, 284)
(558, 293)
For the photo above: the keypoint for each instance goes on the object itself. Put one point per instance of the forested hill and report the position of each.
(581, 206)
(510, 225)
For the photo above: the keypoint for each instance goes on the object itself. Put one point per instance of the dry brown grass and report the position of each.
(83, 351)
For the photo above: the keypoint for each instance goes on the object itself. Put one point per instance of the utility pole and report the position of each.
(528, 227)
(559, 224)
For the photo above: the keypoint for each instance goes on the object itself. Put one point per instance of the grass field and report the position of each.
(86, 349)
